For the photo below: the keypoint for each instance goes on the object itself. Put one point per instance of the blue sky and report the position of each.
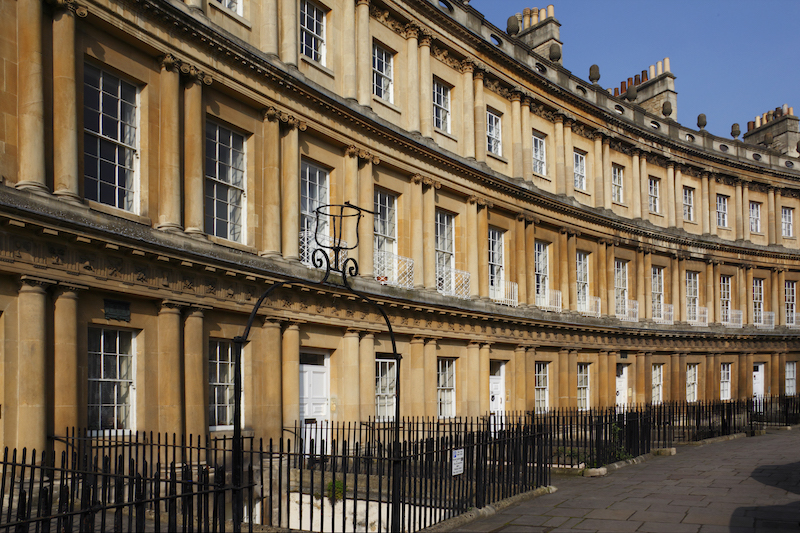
(732, 59)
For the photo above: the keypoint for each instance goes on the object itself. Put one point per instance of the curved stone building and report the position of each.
(537, 240)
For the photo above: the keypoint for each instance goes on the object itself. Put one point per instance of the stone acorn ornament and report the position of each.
(594, 74)
(555, 53)
(735, 131)
(701, 121)
(631, 93)
(769, 138)
(666, 109)
(512, 26)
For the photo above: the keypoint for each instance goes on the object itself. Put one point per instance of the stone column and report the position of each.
(573, 382)
(520, 374)
(170, 391)
(349, 231)
(675, 379)
(599, 187)
(412, 100)
(775, 375)
(606, 306)
(32, 365)
(564, 270)
(366, 366)
(169, 168)
(290, 191)
(745, 376)
(425, 86)
(611, 378)
(639, 384)
(352, 52)
(670, 196)
(749, 376)
(678, 197)
(69, 381)
(483, 252)
(564, 374)
(270, 412)
(648, 286)
(473, 240)
(290, 374)
(739, 210)
(715, 293)
(677, 305)
(366, 229)
(561, 168)
(530, 269)
(741, 283)
(521, 267)
(704, 211)
(271, 194)
(781, 311)
(602, 372)
(772, 230)
(349, 396)
(527, 140)
(712, 204)
(413, 384)
(269, 27)
(607, 203)
(288, 30)
(636, 180)
(682, 378)
(430, 371)
(749, 288)
(417, 236)
(572, 271)
(569, 166)
(480, 116)
(195, 380)
(193, 160)
(775, 303)
(746, 211)
(640, 282)
(65, 117)
(610, 285)
(429, 231)
(516, 135)
(363, 64)
(710, 290)
(472, 389)
(645, 186)
(483, 378)
(30, 100)
(467, 70)
(647, 393)
(682, 289)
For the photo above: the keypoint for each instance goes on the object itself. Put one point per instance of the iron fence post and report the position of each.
(238, 453)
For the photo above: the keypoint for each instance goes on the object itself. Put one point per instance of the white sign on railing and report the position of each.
(458, 462)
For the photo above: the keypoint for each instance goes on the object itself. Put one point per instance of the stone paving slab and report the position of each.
(737, 486)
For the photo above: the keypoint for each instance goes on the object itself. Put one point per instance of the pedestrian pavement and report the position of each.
(735, 486)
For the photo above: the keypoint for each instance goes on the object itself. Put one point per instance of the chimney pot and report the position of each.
(623, 86)
(751, 125)
(666, 65)
(637, 80)
(659, 68)
(616, 91)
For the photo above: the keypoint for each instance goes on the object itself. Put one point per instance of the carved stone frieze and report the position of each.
(582, 130)
(541, 111)
(444, 56)
(496, 87)
(387, 19)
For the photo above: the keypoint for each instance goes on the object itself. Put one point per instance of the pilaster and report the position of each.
(193, 144)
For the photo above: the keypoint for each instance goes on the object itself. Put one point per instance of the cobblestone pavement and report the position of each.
(741, 485)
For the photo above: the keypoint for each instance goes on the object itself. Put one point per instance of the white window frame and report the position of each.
(790, 301)
(755, 217)
(691, 381)
(657, 291)
(791, 378)
(725, 381)
(220, 385)
(444, 245)
(385, 221)
(314, 191)
(446, 387)
(385, 387)
(114, 135)
(312, 31)
(124, 377)
(382, 73)
(617, 184)
(579, 169)
(758, 300)
(722, 211)
(658, 383)
(235, 6)
(541, 266)
(725, 298)
(688, 204)
(539, 154)
(497, 262)
(654, 187)
(441, 105)
(542, 387)
(621, 287)
(494, 132)
(225, 182)
(787, 221)
(584, 383)
(692, 294)
(582, 278)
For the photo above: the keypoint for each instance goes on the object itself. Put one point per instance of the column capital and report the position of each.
(274, 114)
(468, 65)
(351, 150)
(600, 134)
(416, 179)
(365, 156)
(70, 7)
(411, 31)
(169, 62)
(34, 284)
(516, 94)
(195, 75)
(425, 37)
(430, 182)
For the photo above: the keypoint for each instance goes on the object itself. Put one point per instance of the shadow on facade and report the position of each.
(772, 517)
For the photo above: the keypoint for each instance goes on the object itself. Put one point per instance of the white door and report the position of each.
(622, 384)
(758, 380)
(314, 400)
(497, 389)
